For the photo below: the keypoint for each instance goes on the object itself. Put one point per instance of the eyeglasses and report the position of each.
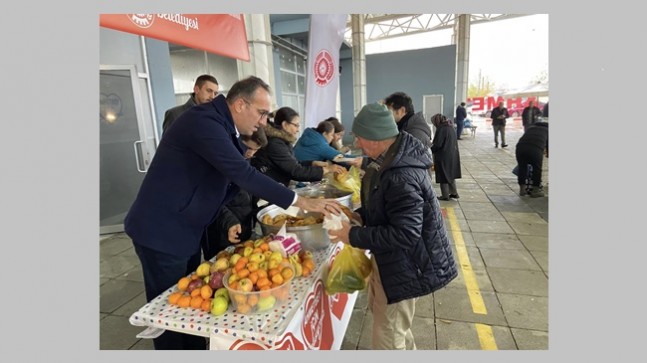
(261, 113)
(295, 124)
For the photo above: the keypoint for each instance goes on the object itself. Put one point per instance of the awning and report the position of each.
(222, 34)
(537, 90)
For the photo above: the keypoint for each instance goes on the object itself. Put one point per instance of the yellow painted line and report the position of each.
(478, 306)
(486, 337)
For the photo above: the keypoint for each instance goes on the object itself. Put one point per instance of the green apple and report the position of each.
(219, 305)
(203, 269)
(266, 303)
(234, 258)
(222, 292)
(257, 257)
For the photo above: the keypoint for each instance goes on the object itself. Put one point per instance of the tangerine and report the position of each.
(206, 305)
(287, 273)
(206, 291)
(174, 297)
(277, 279)
(183, 283)
(195, 292)
(196, 302)
(184, 301)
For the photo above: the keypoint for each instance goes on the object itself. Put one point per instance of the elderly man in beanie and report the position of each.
(401, 224)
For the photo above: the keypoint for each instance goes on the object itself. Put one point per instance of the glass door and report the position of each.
(125, 152)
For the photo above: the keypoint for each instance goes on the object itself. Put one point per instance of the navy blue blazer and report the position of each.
(197, 168)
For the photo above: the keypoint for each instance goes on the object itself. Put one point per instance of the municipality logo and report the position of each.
(142, 20)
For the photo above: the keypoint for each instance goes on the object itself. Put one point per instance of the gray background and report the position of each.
(50, 177)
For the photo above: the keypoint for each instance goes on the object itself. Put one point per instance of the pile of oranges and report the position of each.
(199, 298)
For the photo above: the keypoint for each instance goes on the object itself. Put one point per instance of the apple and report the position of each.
(245, 285)
(223, 254)
(234, 258)
(276, 256)
(233, 277)
(203, 269)
(258, 242)
(219, 305)
(248, 251)
(222, 292)
(194, 284)
(215, 281)
(220, 264)
(257, 257)
(266, 303)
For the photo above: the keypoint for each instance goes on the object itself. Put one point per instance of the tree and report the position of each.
(483, 87)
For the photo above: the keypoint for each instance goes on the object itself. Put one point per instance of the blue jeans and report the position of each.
(161, 272)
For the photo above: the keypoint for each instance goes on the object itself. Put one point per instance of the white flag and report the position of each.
(322, 74)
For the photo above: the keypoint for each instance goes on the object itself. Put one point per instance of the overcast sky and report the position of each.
(510, 53)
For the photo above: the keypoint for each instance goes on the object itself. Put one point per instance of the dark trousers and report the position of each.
(460, 124)
(532, 156)
(161, 272)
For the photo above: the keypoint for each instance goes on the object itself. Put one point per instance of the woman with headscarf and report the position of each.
(447, 161)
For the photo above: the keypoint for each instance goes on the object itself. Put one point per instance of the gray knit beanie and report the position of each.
(375, 122)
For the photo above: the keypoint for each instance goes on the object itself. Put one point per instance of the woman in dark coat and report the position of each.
(277, 159)
(447, 160)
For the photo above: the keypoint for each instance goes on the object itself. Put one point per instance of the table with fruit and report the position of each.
(249, 292)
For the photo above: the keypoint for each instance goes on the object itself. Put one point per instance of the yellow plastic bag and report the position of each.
(349, 271)
(349, 182)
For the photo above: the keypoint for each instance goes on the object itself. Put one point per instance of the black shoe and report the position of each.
(504, 145)
(458, 138)
(453, 196)
(443, 198)
(496, 145)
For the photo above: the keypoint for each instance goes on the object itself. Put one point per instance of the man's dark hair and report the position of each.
(335, 122)
(463, 104)
(205, 78)
(245, 88)
(398, 100)
(257, 136)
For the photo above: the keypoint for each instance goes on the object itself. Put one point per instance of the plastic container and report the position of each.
(258, 302)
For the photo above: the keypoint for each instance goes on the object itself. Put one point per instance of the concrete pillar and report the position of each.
(359, 62)
(461, 38)
(259, 40)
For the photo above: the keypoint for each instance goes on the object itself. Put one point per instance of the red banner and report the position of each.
(222, 34)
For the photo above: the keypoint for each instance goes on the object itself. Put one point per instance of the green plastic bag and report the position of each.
(349, 271)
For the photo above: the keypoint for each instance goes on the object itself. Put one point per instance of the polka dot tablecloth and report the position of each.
(160, 314)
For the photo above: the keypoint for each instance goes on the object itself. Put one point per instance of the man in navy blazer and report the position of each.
(198, 167)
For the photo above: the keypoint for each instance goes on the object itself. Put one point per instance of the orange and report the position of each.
(309, 263)
(240, 298)
(184, 301)
(253, 276)
(261, 273)
(262, 282)
(206, 291)
(252, 300)
(242, 273)
(273, 271)
(196, 302)
(277, 279)
(206, 305)
(195, 292)
(243, 308)
(183, 283)
(264, 246)
(174, 297)
(194, 276)
(287, 273)
(305, 271)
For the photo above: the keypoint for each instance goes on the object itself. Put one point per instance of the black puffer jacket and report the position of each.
(403, 225)
(277, 159)
(415, 124)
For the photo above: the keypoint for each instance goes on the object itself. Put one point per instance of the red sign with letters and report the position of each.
(222, 34)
